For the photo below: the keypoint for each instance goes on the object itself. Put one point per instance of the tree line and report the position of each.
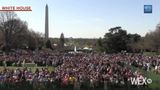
(151, 41)
(16, 34)
(118, 40)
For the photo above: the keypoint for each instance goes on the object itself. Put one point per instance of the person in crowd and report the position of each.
(76, 70)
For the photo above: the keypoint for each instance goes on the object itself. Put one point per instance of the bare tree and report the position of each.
(16, 34)
(10, 26)
(1, 39)
(151, 40)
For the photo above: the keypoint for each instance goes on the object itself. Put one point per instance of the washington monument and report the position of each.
(46, 22)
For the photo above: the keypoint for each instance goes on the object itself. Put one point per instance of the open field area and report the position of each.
(32, 68)
(80, 45)
(155, 85)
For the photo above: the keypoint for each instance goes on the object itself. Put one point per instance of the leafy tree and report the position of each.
(36, 39)
(48, 44)
(133, 39)
(100, 44)
(117, 40)
(61, 42)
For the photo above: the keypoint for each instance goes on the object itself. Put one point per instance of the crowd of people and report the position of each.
(41, 58)
(77, 70)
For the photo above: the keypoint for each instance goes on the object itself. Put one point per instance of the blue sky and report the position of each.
(88, 18)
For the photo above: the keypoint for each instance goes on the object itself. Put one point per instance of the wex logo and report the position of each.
(140, 81)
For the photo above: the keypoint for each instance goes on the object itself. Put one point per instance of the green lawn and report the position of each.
(151, 53)
(155, 77)
(33, 68)
(152, 75)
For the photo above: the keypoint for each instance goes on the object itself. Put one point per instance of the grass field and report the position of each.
(151, 53)
(155, 85)
(152, 75)
(32, 68)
